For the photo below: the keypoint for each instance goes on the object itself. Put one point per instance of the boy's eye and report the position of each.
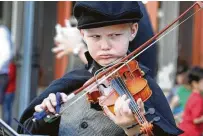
(114, 35)
(95, 36)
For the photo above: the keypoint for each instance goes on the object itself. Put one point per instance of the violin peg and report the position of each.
(150, 111)
(142, 73)
(155, 119)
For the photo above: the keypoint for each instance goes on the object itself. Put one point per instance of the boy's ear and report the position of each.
(82, 33)
(134, 29)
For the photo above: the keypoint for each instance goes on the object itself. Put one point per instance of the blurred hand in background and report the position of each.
(68, 40)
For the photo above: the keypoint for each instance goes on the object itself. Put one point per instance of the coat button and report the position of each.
(84, 125)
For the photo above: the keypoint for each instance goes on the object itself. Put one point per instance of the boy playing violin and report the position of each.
(107, 28)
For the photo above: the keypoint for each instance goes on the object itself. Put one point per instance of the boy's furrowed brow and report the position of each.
(91, 32)
(115, 32)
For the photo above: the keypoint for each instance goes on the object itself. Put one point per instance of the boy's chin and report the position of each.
(106, 63)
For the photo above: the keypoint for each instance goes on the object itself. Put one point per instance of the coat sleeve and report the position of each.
(68, 83)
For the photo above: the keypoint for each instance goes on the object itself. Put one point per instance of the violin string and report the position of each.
(127, 92)
(134, 105)
(123, 89)
(113, 72)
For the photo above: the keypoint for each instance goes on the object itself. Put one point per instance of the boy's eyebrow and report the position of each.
(89, 32)
(116, 32)
(92, 32)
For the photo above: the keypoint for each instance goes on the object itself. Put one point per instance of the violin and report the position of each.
(127, 78)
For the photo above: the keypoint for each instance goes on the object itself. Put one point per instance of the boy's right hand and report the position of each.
(49, 103)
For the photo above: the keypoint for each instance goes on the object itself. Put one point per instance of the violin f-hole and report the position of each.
(99, 86)
(126, 75)
(102, 85)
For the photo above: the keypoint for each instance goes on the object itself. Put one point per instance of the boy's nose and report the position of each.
(105, 45)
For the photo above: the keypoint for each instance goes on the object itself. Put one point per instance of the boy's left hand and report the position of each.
(123, 115)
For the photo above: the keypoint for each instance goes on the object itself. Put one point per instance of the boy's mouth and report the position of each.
(105, 56)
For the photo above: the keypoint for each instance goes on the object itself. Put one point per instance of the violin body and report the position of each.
(137, 92)
(135, 83)
(127, 80)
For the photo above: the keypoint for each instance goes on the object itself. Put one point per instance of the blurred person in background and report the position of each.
(5, 57)
(181, 75)
(69, 41)
(10, 93)
(180, 93)
(192, 122)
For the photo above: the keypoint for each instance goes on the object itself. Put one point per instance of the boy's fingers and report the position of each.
(141, 105)
(49, 105)
(38, 108)
(126, 111)
(118, 106)
(101, 100)
(124, 97)
(126, 107)
(109, 113)
(64, 97)
(52, 98)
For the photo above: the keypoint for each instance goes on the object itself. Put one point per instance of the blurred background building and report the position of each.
(33, 27)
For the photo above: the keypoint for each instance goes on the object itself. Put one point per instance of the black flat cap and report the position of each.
(93, 14)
